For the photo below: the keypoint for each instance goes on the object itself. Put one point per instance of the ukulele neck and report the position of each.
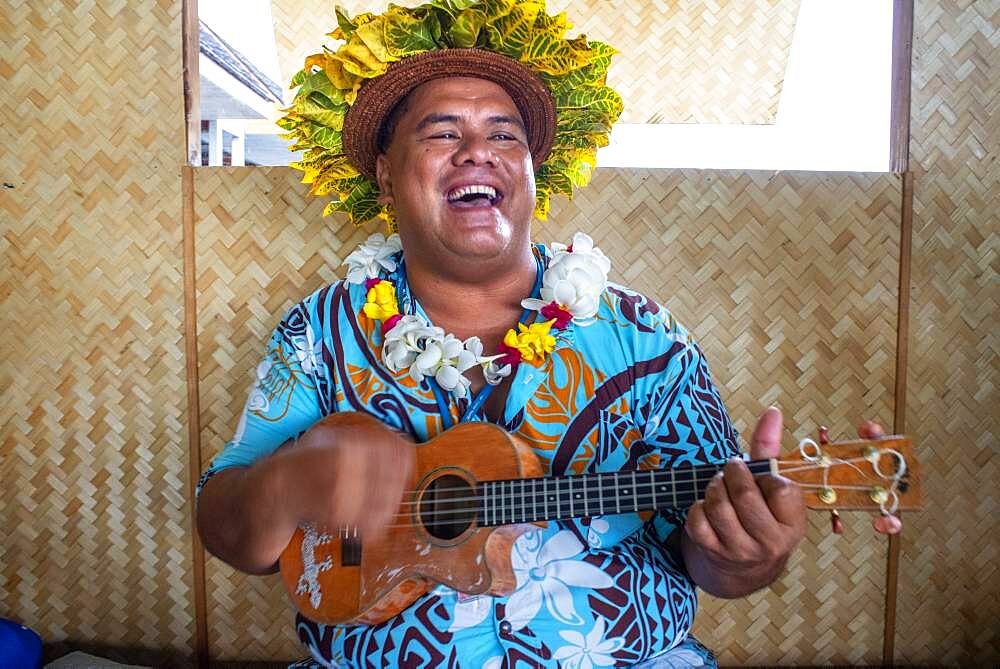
(560, 497)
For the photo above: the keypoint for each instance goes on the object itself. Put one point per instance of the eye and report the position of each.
(504, 137)
(446, 134)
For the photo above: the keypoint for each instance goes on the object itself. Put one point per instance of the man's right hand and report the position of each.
(348, 470)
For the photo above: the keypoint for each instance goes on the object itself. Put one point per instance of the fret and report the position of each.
(534, 500)
(507, 515)
(652, 486)
(558, 501)
(635, 492)
(600, 494)
(513, 502)
(618, 501)
(486, 504)
(586, 496)
(569, 486)
(545, 496)
(673, 485)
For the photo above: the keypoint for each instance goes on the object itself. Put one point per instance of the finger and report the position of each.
(766, 440)
(351, 479)
(748, 501)
(870, 430)
(784, 500)
(722, 516)
(382, 493)
(700, 530)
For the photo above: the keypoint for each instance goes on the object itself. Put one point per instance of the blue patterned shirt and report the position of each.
(630, 391)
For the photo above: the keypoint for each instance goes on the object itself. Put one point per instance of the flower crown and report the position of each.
(574, 71)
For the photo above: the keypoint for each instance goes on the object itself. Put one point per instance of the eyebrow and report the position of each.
(432, 119)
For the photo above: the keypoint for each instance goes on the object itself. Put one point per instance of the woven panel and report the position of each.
(788, 282)
(261, 247)
(949, 587)
(95, 535)
(681, 62)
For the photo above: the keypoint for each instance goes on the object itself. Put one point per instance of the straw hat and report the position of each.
(379, 96)
(344, 96)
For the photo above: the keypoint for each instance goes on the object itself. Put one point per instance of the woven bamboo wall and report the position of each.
(949, 587)
(789, 281)
(95, 546)
(681, 62)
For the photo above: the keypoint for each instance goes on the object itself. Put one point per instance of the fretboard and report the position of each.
(560, 497)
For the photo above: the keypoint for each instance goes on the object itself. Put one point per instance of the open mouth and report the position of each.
(473, 196)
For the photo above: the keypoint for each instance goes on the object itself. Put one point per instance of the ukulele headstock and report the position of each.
(863, 474)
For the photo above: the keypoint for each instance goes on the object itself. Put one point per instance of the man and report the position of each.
(616, 384)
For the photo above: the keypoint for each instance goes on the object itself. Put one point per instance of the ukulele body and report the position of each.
(329, 584)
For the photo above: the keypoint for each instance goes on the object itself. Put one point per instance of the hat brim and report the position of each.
(378, 96)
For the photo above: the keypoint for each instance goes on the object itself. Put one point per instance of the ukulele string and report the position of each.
(694, 482)
(811, 462)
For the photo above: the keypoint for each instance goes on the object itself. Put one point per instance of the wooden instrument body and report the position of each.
(334, 579)
(407, 561)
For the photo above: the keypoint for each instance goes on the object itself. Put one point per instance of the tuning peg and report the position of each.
(887, 524)
(824, 435)
(836, 526)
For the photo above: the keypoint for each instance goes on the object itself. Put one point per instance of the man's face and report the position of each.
(458, 172)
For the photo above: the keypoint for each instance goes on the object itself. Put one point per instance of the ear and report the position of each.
(383, 177)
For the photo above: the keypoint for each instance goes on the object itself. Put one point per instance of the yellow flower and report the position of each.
(381, 302)
(532, 341)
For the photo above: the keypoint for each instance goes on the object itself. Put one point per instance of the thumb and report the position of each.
(766, 440)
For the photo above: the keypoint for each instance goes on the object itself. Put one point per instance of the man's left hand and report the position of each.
(738, 538)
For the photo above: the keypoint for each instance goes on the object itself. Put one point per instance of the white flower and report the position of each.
(446, 359)
(469, 611)
(428, 351)
(574, 279)
(679, 658)
(308, 351)
(587, 652)
(406, 341)
(368, 259)
(598, 526)
(494, 373)
(543, 572)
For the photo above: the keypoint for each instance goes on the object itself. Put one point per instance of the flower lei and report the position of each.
(571, 290)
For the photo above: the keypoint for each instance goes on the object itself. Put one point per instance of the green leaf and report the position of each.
(552, 54)
(604, 99)
(326, 137)
(406, 34)
(320, 83)
(323, 114)
(512, 33)
(582, 121)
(466, 28)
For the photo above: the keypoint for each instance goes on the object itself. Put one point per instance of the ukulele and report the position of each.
(476, 488)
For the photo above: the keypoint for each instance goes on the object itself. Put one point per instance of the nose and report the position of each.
(475, 150)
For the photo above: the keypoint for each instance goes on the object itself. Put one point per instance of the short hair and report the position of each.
(388, 128)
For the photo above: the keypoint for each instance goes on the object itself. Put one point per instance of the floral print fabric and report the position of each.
(629, 390)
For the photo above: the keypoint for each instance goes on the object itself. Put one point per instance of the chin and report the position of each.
(479, 237)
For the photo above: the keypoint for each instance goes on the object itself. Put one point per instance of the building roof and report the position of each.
(236, 64)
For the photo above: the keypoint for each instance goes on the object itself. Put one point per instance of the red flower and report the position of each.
(371, 283)
(511, 356)
(390, 322)
(553, 310)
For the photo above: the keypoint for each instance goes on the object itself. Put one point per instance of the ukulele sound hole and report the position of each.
(447, 507)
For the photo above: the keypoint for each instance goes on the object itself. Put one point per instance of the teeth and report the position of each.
(475, 189)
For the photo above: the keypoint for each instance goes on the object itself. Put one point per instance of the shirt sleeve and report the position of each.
(284, 398)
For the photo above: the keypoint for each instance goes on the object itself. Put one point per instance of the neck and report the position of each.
(470, 292)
